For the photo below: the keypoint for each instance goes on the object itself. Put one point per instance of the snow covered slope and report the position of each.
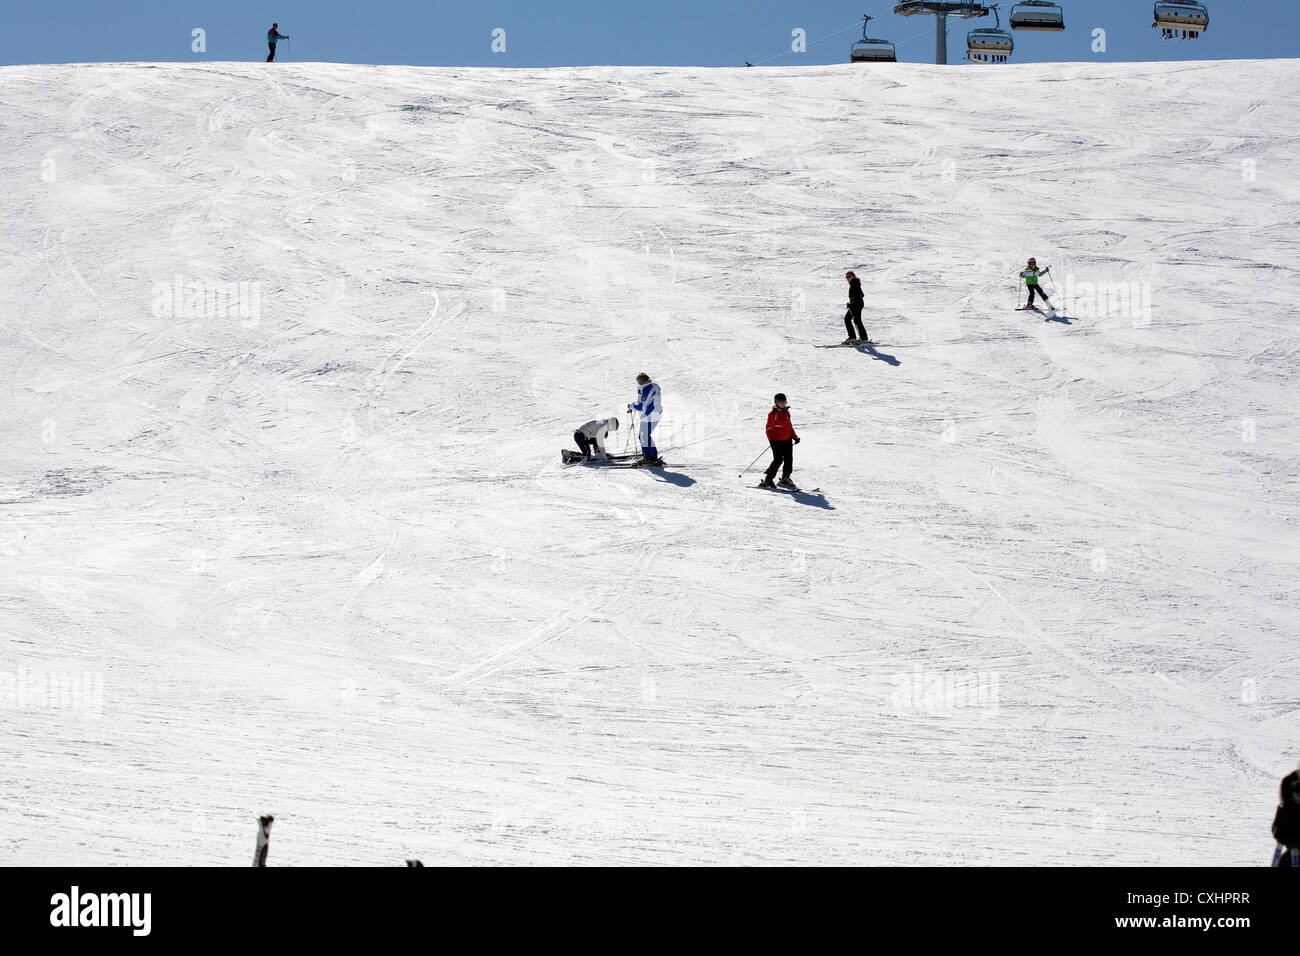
(303, 545)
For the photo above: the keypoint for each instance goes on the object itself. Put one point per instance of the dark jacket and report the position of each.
(855, 291)
(1286, 825)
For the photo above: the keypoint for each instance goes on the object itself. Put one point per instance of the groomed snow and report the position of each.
(320, 558)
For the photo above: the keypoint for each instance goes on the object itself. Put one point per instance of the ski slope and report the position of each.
(319, 558)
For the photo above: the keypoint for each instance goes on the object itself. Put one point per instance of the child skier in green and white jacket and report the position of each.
(1031, 274)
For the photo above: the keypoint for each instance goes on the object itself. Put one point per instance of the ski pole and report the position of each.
(754, 462)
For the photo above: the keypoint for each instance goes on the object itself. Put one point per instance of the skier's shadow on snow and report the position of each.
(1063, 319)
(814, 499)
(879, 356)
(671, 477)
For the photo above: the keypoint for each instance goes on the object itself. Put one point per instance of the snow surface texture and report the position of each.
(320, 559)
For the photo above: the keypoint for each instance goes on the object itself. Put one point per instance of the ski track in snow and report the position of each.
(328, 566)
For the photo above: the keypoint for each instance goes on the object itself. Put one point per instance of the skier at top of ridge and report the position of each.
(649, 404)
(272, 36)
(1031, 274)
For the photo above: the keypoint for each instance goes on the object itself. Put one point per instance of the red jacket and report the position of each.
(778, 425)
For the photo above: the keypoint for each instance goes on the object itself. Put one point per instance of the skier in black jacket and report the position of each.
(1286, 824)
(854, 314)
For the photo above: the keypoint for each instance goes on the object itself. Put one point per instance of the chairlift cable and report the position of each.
(856, 25)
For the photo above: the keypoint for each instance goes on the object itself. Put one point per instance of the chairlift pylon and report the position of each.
(941, 10)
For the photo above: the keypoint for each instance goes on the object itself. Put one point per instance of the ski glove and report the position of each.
(796, 439)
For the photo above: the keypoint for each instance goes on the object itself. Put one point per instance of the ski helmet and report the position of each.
(779, 397)
(613, 424)
(1033, 261)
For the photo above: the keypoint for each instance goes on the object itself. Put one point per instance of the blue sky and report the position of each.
(585, 32)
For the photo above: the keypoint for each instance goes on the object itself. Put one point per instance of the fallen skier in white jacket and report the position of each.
(591, 437)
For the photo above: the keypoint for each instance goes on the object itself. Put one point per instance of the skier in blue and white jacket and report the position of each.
(649, 405)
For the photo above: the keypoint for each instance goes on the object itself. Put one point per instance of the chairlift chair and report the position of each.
(1175, 18)
(871, 49)
(1038, 15)
(990, 44)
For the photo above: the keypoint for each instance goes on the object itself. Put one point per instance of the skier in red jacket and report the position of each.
(781, 435)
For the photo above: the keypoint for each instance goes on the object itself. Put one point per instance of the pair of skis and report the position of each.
(570, 457)
(856, 344)
(635, 463)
